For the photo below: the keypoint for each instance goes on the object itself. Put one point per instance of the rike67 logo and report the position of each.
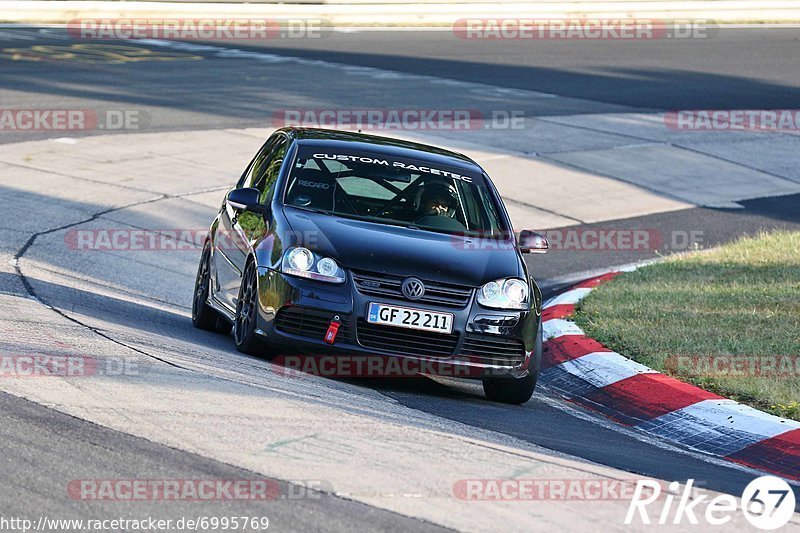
(767, 503)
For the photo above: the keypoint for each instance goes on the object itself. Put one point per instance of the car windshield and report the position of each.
(392, 190)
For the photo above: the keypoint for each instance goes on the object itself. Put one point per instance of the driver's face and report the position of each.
(436, 206)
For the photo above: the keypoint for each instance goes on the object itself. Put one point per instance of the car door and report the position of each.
(240, 229)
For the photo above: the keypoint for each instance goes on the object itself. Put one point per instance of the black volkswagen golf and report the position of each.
(342, 243)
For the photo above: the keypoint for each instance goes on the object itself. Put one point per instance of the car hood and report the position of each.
(362, 245)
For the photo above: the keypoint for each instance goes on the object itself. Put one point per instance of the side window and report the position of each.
(256, 164)
(262, 175)
(275, 146)
(269, 169)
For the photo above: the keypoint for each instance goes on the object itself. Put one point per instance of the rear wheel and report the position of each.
(203, 315)
(244, 326)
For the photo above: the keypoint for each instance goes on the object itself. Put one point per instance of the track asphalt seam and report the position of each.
(653, 142)
(32, 293)
(738, 163)
(79, 178)
(636, 396)
(656, 142)
(595, 172)
(639, 110)
(543, 209)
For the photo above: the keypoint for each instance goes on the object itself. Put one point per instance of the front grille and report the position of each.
(435, 293)
(492, 350)
(402, 341)
(306, 322)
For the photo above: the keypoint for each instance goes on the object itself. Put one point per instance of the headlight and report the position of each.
(304, 263)
(300, 259)
(511, 293)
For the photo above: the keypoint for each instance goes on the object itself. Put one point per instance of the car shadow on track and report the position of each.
(421, 384)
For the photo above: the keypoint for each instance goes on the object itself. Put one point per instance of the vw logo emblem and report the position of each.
(413, 289)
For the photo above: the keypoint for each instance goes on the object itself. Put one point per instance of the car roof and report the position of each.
(361, 142)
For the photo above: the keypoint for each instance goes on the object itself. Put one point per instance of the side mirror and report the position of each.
(247, 199)
(531, 242)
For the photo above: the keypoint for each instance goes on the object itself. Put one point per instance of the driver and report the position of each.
(437, 199)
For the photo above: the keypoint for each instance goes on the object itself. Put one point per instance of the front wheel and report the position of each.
(510, 390)
(244, 327)
(517, 390)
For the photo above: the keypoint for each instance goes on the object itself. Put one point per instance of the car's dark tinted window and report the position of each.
(255, 165)
(270, 168)
(263, 171)
(393, 190)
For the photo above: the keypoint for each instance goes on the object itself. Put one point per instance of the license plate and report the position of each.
(406, 317)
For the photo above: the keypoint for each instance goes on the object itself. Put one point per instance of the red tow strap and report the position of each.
(333, 330)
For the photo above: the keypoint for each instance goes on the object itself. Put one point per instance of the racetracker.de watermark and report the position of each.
(199, 29)
(38, 119)
(600, 489)
(194, 490)
(64, 366)
(733, 120)
(144, 240)
(162, 240)
(386, 366)
(602, 239)
(626, 29)
(400, 119)
(735, 366)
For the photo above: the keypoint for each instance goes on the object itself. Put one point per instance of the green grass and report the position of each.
(741, 301)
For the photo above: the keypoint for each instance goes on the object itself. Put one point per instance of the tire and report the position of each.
(244, 325)
(511, 390)
(203, 315)
(516, 390)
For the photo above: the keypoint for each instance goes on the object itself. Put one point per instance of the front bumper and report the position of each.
(295, 313)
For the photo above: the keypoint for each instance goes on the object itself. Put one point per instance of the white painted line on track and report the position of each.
(375, 73)
(15, 36)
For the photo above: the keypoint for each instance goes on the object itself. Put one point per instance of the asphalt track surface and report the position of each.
(731, 69)
(737, 69)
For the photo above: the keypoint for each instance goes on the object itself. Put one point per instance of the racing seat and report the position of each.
(313, 188)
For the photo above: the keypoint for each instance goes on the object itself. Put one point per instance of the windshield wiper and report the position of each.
(312, 209)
